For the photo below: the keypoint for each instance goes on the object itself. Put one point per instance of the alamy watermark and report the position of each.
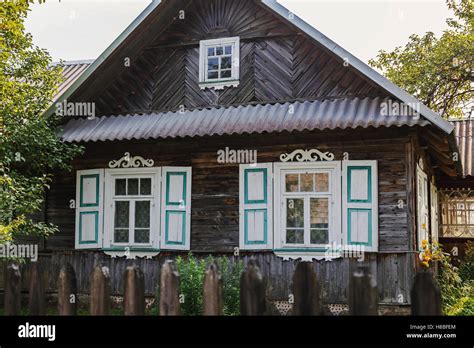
(334, 250)
(395, 108)
(24, 251)
(237, 156)
(70, 109)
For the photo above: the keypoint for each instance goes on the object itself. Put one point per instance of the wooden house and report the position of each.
(235, 128)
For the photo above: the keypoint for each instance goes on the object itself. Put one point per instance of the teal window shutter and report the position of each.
(89, 209)
(360, 204)
(256, 202)
(176, 208)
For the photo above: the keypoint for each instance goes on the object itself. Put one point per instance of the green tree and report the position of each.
(438, 71)
(30, 150)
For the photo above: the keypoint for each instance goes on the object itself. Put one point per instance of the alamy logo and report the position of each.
(66, 108)
(37, 331)
(27, 251)
(394, 108)
(339, 250)
(237, 156)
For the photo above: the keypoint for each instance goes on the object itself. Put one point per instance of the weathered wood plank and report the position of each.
(67, 291)
(212, 292)
(169, 290)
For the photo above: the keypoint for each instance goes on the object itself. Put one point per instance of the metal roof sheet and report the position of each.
(292, 116)
(71, 71)
(277, 8)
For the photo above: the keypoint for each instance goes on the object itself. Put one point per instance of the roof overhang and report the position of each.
(344, 113)
(320, 38)
(363, 68)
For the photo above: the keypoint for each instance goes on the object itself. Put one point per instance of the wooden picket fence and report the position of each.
(362, 296)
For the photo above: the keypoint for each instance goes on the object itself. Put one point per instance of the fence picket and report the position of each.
(67, 291)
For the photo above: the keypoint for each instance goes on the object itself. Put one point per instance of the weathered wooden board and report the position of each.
(278, 62)
(394, 273)
(215, 193)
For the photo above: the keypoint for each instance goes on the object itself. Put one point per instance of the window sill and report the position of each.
(132, 253)
(219, 84)
(308, 254)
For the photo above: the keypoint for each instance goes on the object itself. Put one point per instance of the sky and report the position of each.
(83, 29)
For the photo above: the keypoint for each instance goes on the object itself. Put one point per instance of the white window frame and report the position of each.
(335, 231)
(422, 206)
(233, 81)
(110, 176)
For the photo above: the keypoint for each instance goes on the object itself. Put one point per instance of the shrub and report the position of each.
(457, 292)
(466, 269)
(191, 271)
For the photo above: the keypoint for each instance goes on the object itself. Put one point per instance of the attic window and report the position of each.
(219, 63)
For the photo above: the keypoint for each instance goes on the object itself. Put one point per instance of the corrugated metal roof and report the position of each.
(463, 130)
(277, 8)
(294, 116)
(71, 72)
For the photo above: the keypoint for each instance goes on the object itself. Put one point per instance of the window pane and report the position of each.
(307, 182)
(212, 64)
(294, 212)
(142, 236)
(120, 187)
(319, 237)
(212, 75)
(145, 187)
(291, 182)
(322, 182)
(121, 218)
(226, 74)
(226, 62)
(295, 236)
(121, 236)
(121, 221)
(319, 209)
(211, 51)
(219, 51)
(132, 187)
(228, 49)
(142, 214)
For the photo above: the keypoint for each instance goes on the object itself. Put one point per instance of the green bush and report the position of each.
(457, 288)
(191, 272)
(466, 269)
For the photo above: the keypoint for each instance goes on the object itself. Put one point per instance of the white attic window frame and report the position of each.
(219, 82)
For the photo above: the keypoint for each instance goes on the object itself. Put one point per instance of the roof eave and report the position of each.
(112, 47)
(453, 145)
(359, 65)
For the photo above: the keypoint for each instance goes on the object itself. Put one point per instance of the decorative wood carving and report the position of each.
(131, 162)
(311, 155)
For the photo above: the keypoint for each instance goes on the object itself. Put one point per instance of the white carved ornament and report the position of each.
(131, 162)
(312, 155)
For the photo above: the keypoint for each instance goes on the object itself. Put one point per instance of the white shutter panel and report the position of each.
(423, 222)
(360, 204)
(176, 208)
(89, 208)
(255, 215)
(434, 213)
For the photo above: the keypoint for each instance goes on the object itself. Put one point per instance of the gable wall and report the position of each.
(277, 64)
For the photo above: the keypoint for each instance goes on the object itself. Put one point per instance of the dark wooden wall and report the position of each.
(215, 202)
(215, 186)
(278, 63)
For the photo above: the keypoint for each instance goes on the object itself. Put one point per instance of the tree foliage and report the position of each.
(30, 150)
(438, 71)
